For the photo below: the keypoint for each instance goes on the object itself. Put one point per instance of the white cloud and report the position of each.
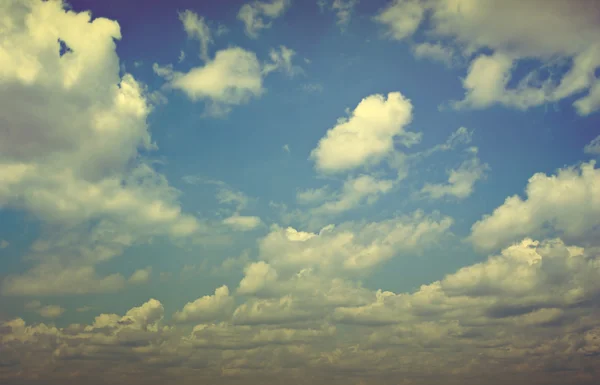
(343, 10)
(4, 244)
(542, 31)
(355, 191)
(351, 248)
(286, 148)
(461, 181)
(47, 279)
(257, 276)
(528, 283)
(253, 15)
(270, 311)
(593, 147)
(51, 311)
(70, 156)
(207, 308)
(141, 276)
(196, 28)
(228, 196)
(436, 51)
(402, 18)
(242, 222)
(313, 195)
(367, 135)
(522, 309)
(247, 338)
(281, 60)
(565, 204)
(48, 311)
(486, 84)
(233, 77)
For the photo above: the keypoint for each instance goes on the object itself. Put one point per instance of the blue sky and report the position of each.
(282, 189)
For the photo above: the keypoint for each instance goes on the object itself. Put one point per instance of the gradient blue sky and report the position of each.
(374, 182)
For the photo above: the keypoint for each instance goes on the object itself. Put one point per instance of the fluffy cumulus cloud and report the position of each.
(367, 135)
(254, 14)
(207, 308)
(543, 31)
(565, 204)
(72, 132)
(233, 77)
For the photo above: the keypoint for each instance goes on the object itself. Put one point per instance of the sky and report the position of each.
(299, 191)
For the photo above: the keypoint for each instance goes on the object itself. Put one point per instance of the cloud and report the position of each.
(233, 77)
(486, 84)
(286, 148)
(207, 308)
(242, 223)
(51, 311)
(4, 244)
(524, 309)
(355, 191)
(343, 10)
(436, 52)
(367, 135)
(196, 28)
(461, 181)
(313, 195)
(351, 247)
(530, 283)
(281, 60)
(76, 161)
(566, 204)
(401, 17)
(593, 147)
(47, 279)
(543, 32)
(253, 15)
(141, 276)
(229, 196)
(48, 311)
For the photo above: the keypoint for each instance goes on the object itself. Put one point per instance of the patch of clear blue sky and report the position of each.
(245, 149)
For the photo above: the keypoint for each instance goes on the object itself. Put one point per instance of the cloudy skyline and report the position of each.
(332, 191)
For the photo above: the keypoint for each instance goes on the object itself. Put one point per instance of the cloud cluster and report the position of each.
(566, 204)
(524, 310)
(73, 131)
(543, 31)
